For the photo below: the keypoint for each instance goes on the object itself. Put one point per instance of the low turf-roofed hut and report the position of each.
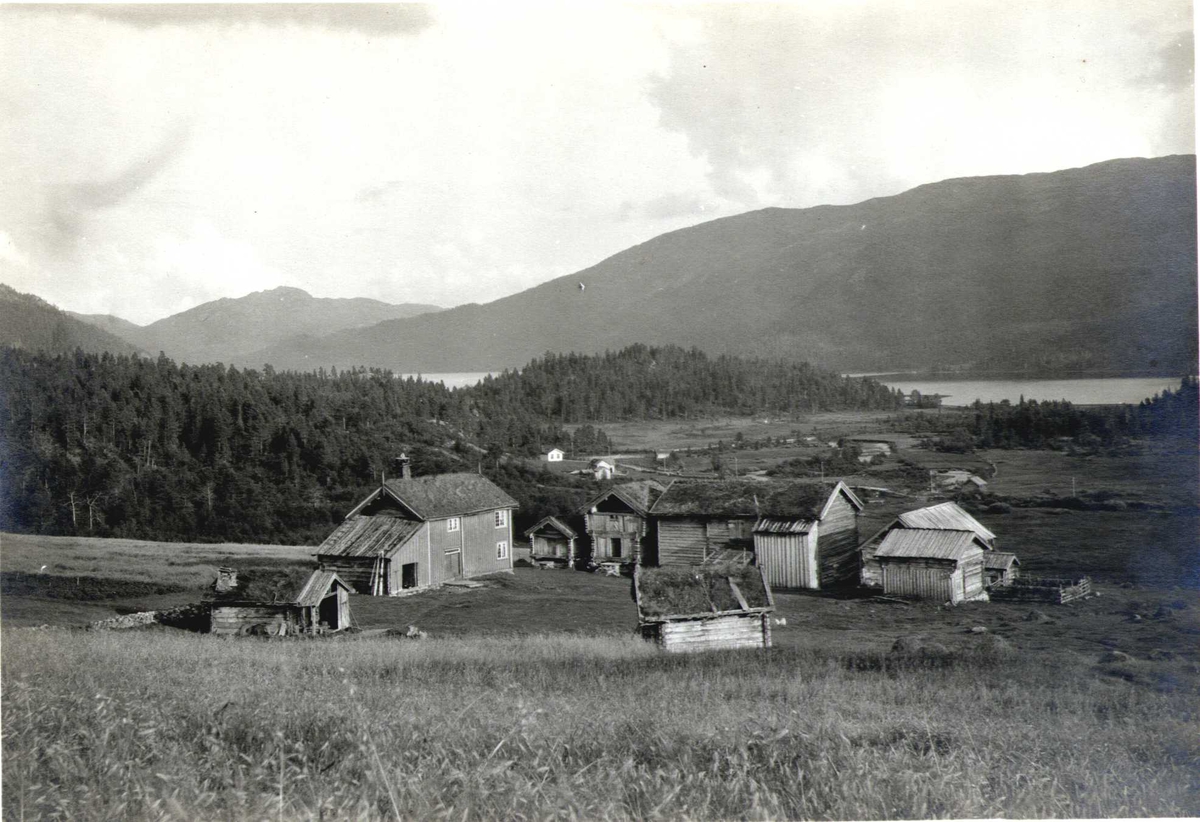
(946, 566)
(704, 609)
(283, 602)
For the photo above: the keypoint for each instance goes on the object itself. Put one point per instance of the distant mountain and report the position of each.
(1091, 268)
(30, 322)
(231, 330)
(108, 322)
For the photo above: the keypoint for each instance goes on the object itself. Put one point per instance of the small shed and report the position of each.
(1000, 569)
(555, 455)
(552, 540)
(602, 469)
(946, 516)
(946, 566)
(283, 602)
(704, 609)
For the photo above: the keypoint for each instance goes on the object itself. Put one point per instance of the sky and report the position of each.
(156, 157)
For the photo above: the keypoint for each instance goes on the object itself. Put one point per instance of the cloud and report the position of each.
(669, 207)
(363, 18)
(1174, 68)
(800, 104)
(69, 205)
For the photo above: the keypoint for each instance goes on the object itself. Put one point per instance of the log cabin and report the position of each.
(414, 533)
(551, 541)
(803, 534)
(618, 523)
(718, 608)
(942, 565)
(947, 516)
(280, 604)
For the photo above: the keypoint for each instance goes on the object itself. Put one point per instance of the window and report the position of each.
(501, 550)
(501, 519)
(453, 524)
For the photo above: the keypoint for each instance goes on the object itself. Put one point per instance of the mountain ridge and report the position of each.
(230, 328)
(1088, 268)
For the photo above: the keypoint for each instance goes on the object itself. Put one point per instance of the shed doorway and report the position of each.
(328, 612)
(408, 575)
(615, 543)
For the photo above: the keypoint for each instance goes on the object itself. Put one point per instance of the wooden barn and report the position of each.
(704, 609)
(281, 604)
(807, 537)
(1000, 569)
(947, 516)
(803, 534)
(618, 523)
(942, 565)
(550, 540)
(413, 533)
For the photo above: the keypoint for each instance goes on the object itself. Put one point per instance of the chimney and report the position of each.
(405, 469)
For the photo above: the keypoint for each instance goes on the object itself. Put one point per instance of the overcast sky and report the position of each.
(157, 157)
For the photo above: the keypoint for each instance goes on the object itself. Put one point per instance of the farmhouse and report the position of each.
(720, 607)
(555, 455)
(941, 565)
(550, 540)
(803, 534)
(280, 604)
(947, 516)
(618, 523)
(414, 533)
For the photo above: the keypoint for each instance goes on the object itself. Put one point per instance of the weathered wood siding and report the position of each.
(718, 633)
(234, 620)
(788, 560)
(354, 571)
(871, 574)
(472, 547)
(415, 549)
(549, 546)
(681, 541)
(939, 580)
(604, 526)
(837, 544)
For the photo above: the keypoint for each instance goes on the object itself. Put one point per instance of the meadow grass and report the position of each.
(160, 725)
(184, 564)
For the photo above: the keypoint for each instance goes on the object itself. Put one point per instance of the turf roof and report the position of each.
(743, 498)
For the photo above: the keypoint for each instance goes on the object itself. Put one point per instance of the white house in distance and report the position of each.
(602, 469)
(555, 455)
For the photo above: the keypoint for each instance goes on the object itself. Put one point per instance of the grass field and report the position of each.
(169, 726)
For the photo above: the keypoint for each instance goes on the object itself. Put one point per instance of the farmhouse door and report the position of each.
(453, 566)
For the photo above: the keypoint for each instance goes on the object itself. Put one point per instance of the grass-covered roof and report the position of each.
(681, 591)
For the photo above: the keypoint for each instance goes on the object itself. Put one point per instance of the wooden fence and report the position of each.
(1043, 589)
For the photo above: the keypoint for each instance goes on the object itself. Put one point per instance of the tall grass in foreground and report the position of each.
(169, 726)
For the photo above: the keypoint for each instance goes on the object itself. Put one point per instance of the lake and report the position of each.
(1083, 391)
(459, 379)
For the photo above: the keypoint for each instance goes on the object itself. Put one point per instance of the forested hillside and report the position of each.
(30, 322)
(133, 447)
